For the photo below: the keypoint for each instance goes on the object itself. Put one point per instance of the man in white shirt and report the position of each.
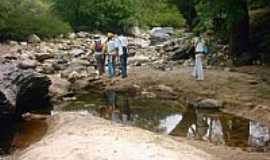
(123, 53)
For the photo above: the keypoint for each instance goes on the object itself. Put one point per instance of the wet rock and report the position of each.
(33, 39)
(209, 104)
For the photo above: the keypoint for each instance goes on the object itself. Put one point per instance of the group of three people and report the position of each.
(113, 49)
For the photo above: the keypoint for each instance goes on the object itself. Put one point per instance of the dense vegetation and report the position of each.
(228, 19)
(20, 18)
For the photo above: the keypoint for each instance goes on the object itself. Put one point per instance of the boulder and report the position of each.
(27, 64)
(159, 34)
(77, 52)
(34, 39)
(60, 87)
(22, 90)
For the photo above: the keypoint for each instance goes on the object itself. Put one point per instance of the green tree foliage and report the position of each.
(103, 15)
(20, 18)
(158, 13)
(117, 15)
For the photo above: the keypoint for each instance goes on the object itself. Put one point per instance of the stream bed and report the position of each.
(162, 116)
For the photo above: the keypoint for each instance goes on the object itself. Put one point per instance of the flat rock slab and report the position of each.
(81, 136)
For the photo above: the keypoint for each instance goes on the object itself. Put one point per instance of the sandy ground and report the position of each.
(80, 136)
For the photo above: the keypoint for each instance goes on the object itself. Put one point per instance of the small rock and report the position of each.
(43, 56)
(33, 39)
(83, 34)
(209, 104)
(23, 43)
(60, 87)
(27, 64)
(71, 35)
(77, 52)
(149, 94)
(13, 43)
(165, 88)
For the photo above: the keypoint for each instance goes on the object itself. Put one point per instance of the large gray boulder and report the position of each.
(22, 90)
(159, 34)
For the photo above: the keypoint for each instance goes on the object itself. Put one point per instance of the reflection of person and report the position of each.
(259, 135)
(125, 109)
(112, 104)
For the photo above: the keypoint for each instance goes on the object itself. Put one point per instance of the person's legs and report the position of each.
(98, 63)
(200, 68)
(111, 66)
(123, 61)
(195, 72)
(102, 64)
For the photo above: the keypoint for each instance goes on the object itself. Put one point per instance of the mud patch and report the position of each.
(19, 135)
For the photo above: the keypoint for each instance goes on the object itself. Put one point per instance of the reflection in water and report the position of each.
(259, 134)
(19, 135)
(117, 112)
(168, 124)
(171, 118)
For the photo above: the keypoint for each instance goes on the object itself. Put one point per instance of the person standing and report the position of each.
(112, 53)
(99, 56)
(123, 53)
(200, 49)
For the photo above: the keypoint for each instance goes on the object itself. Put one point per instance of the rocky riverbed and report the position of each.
(160, 70)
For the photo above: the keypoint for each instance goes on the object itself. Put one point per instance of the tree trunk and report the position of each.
(239, 38)
(188, 10)
(22, 90)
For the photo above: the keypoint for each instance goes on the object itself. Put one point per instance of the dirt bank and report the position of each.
(74, 136)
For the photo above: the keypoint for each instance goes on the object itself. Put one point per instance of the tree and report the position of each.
(236, 23)
(188, 10)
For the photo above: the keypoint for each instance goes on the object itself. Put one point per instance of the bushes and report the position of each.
(102, 15)
(117, 15)
(21, 18)
(159, 13)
